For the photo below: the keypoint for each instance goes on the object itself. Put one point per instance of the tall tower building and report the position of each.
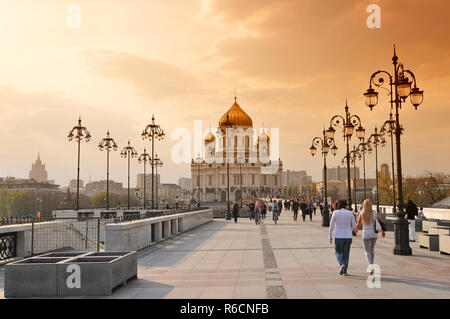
(38, 171)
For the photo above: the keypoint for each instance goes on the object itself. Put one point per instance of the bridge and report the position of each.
(293, 259)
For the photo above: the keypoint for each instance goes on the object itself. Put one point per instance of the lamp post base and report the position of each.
(326, 218)
(401, 234)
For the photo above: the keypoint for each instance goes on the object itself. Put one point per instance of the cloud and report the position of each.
(154, 79)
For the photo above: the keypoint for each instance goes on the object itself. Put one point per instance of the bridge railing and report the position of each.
(23, 237)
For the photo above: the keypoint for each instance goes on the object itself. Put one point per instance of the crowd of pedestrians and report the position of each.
(343, 224)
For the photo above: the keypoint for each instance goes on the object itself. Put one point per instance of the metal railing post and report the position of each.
(98, 234)
(32, 236)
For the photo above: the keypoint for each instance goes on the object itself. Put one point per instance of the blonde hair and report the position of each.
(367, 212)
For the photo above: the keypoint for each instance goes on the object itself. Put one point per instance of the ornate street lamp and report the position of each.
(227, 124)
(399, 89)
(144, 158)
(240, 179)
(198, 161)
(347, 123)
(80, 133)
(107, 144)
(363, 148)
(389, 127)
(128, 152)
(158, 163)
(354, 155)
(151, 132)
(326, 144)
(376, 139)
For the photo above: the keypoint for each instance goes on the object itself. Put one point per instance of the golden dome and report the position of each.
(235, 117)
(209, 138)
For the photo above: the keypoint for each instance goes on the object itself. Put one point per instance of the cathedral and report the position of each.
(238, 158)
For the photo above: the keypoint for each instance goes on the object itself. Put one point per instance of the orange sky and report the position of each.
(293, 64)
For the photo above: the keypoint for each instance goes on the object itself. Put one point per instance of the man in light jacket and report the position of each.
(345, 222)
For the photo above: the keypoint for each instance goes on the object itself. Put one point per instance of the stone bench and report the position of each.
(429, 241)
(445, 230)
(444, 244)
(427, 224)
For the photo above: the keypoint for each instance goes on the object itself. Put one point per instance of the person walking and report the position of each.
(344, 222)
(420, 213)
(295, 207)
(314, 208)
(411, 213)
(235, 212)
(303, 209)
(257, 213)
(309, 210)
(368, 217)
(263, 210)
(251, 210)
(276, 212)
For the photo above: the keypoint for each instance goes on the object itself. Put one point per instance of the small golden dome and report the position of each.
(209, 138)
(235, 117)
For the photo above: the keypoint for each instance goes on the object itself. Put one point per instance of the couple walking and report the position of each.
(346, 225)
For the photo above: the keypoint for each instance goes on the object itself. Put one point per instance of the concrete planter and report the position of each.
(444, 244)
(69, 274)
(429, 241)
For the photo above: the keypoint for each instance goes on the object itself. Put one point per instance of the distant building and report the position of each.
(168, 193)
(384, 170)
(148, 183)
(290, 178)
(73, 184)
(96, 187)
(340, 173)
(38, 171)
(185, 184)
(25, 184)
(336, 189)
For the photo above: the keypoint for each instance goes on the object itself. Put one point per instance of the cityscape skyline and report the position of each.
(193, 72)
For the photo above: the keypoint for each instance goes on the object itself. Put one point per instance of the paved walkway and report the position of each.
(289, 260)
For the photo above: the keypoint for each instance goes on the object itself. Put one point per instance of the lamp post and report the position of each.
(354, 155)
(81, 132)
(228, 155)
(347, 123)
(326, 144)
(198, 161)
(144, 158)
(128, 152)
(107, 144)
(151, 132)
(389, 127)
(240, 179)
(158, 163)
(376, 139)
(400, 88)
(362, 149)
